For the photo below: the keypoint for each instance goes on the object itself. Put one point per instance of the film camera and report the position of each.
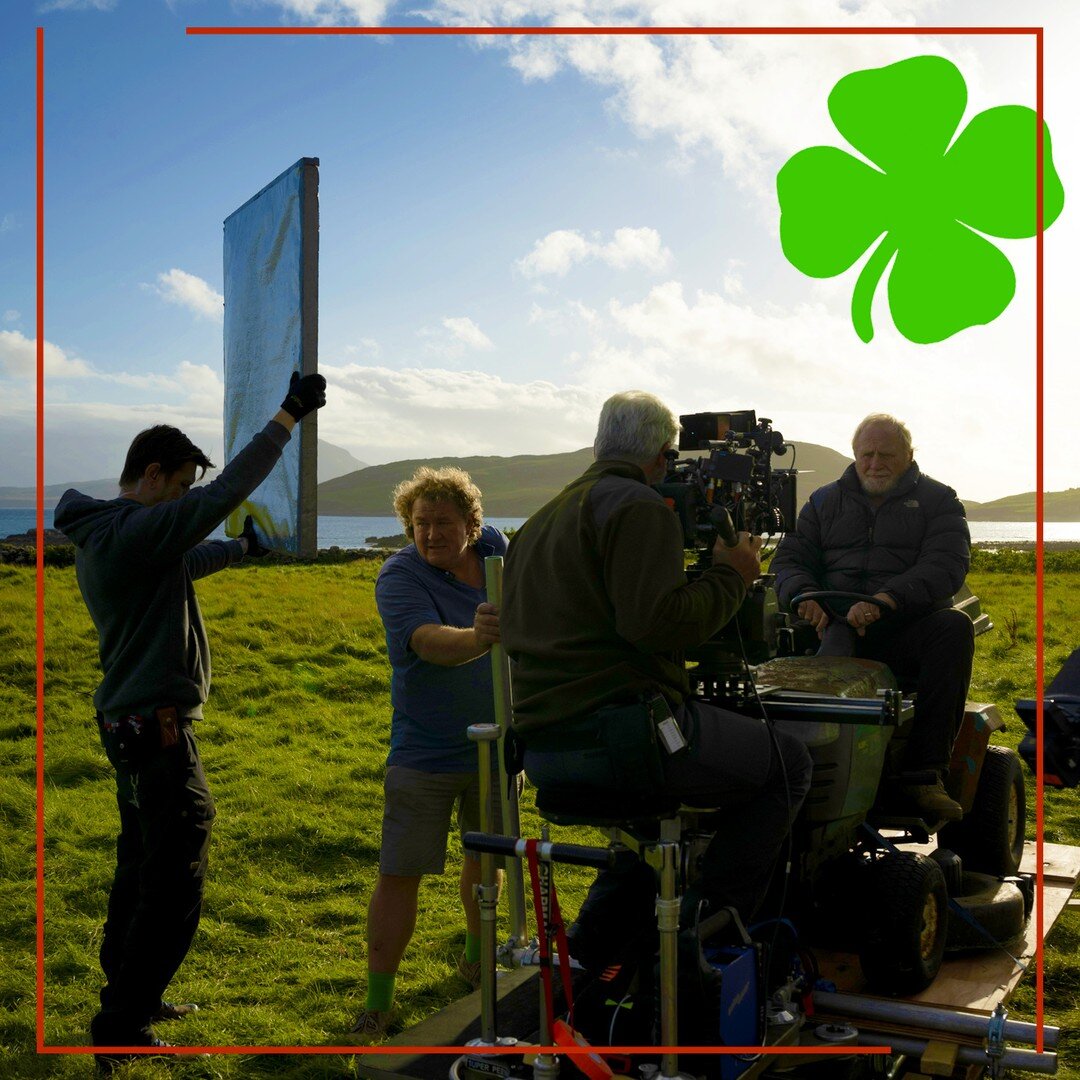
(732, 486)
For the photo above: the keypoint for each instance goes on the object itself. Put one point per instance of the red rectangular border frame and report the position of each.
(503, 31)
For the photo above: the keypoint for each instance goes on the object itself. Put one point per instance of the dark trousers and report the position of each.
(166, 814)
(732, 763)
(932, 654)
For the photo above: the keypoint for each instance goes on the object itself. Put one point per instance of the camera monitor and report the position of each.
(700, 429)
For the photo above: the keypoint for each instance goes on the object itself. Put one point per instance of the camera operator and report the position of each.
(596, 611)
(886, 529)
(136, 559)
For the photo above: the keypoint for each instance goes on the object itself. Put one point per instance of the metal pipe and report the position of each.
(576, 854)
(508, 793)
(860, 1007)
(966, 1055)
(488, 890)
(667, 921)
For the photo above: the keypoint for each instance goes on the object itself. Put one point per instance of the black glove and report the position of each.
(305, 395)
(255, 550)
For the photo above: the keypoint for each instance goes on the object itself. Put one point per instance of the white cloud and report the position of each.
(557, 252)
(11, 315)
(7, 223)
(733, 284)
(463, 329)
(18, 358)
(179, 287)
(453, 338)
(804, 367)
(382, 414)
(562, 319)
(78, 5)
(635, 247)
(715, 94)
(366, 346)
(332, 12)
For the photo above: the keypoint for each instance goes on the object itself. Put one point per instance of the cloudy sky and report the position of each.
(511, 228)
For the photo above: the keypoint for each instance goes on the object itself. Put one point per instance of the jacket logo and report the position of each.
(911, 504)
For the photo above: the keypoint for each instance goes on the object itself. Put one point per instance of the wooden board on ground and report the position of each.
(978, 981)
(453, 1026)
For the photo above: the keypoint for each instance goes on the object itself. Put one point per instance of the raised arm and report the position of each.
(166, 531)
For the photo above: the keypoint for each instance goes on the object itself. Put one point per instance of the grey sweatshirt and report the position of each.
(135, 566)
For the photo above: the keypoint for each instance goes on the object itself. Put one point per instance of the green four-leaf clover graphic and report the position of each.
(927, 202)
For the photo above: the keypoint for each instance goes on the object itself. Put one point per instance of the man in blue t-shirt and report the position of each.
(439, 627)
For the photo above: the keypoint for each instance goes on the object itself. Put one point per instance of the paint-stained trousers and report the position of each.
(166, 814)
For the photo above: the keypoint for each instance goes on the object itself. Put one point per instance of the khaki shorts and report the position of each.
(417, 816)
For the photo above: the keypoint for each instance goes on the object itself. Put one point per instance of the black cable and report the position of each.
(787, 786)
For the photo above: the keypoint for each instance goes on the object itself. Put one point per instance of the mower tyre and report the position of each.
(998, 908)
(990, 836)
(905, 922)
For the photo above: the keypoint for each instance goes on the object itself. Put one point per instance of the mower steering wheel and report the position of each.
(826, 595)
(839, 594)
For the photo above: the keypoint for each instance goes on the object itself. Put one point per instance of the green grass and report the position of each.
(293, 744)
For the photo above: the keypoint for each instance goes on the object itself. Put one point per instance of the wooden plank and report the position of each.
(978, 981)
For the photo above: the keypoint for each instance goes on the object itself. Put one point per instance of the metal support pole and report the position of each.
(864, 1008)
(1029, 1060)
(667, 921)
(484, 735)
(511, 820)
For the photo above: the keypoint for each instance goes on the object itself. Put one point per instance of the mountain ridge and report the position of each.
(518, 485)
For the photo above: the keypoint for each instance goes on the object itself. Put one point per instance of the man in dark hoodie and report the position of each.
(137, 556)
(888, 530)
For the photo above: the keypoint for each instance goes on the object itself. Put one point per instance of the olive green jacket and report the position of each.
(596, 604)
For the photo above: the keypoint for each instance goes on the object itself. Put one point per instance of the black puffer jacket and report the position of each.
(915, 546)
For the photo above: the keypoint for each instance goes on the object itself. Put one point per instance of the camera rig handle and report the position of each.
(720, 519)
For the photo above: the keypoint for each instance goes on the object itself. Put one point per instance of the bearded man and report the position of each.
(888, 530)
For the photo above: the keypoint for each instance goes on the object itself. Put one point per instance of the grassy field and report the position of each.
(294, 743)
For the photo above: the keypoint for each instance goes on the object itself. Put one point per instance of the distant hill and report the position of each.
(334, 461)
(511, 486)
(24, 498)
(1057, 506)
(517, 486)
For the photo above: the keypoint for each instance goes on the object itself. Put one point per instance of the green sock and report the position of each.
(380, 991)
(472, 947)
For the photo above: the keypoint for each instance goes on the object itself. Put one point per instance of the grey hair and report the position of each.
(886, 420)
(634, 426)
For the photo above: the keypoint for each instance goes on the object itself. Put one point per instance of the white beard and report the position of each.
(878, 487)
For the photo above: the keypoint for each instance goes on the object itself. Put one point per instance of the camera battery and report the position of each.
(670, 735)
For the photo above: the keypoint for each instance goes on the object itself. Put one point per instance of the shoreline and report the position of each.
(1025, 545)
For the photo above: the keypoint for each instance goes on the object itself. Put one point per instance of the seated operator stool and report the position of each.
(630, 820)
